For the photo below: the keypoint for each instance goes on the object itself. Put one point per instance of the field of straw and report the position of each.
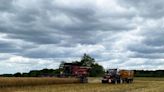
(94, 85)
(34, 81)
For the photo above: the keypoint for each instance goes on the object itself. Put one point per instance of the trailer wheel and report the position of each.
(121, 81)
(128, 80)
(131, 80)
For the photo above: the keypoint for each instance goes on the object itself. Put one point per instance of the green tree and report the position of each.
(18, 74)
(87, 60)
(96, 70)
(25, 75)
(33, 73)
(61, 64)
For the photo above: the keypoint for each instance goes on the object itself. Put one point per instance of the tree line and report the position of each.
(95, 71)
(86, 60)
(149, 73)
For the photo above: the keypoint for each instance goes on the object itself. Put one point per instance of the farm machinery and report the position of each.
(75, 70)
(115, 76)
(118, 76)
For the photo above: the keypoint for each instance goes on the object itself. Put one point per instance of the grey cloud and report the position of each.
(26, 21)
(151, 46)
(142, 48)
(155, 41)
(155, 37)
(6, 5)
(146, 8)
(39, 29)
(148, 56)
(37, 38)
(8, 48)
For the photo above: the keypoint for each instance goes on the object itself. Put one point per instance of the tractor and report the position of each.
(118, 76)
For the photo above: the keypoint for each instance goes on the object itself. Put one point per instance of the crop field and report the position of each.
(94, 85)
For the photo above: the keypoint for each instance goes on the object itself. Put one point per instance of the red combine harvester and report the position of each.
(75, 70)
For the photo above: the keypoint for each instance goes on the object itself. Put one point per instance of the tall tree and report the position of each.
(96, 70)
(61, 64)
(87, 60)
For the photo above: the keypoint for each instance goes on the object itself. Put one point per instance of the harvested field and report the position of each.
(16, 82)
(139, 85)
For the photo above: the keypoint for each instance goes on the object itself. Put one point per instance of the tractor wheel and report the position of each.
(109, 81)
(115, 82)
(84, 80)
(103, 81)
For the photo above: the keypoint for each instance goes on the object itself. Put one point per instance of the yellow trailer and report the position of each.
(126, 75)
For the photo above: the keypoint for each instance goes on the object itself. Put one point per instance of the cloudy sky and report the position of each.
(37, 34)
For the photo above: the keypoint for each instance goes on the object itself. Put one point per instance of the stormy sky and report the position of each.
(37, 34)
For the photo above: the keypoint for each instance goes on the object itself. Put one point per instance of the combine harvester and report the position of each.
(76, 71)
(118, 76)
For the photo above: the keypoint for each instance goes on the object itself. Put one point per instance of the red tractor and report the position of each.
(75, 70)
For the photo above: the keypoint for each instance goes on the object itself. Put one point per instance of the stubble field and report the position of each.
(94, 85)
